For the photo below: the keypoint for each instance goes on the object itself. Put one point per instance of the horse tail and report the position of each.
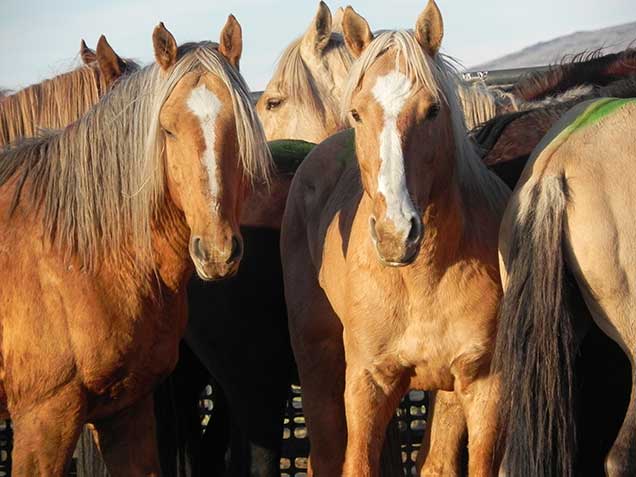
(535, 341)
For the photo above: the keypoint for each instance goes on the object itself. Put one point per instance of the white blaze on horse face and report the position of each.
(391, 92)
(206, 106)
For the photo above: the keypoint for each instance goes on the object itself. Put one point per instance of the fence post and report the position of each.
(89, 461)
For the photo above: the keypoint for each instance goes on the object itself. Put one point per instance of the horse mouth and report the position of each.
(221, 272)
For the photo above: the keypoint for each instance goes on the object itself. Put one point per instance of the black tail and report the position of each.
(535, 342)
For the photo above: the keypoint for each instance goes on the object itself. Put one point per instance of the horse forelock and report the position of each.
(100, 182)
(294, 78)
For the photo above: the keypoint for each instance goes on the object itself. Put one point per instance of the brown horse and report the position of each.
(389, 255)
(569, 224)
(102, 219)
(578, 70)
(57, 102)
(302, 99)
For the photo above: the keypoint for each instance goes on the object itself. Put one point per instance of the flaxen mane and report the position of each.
(293, 78)
(100, 182)
(53, 103)
(440, 78)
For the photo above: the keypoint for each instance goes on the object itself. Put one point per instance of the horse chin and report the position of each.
(213, 272)
(394, 262)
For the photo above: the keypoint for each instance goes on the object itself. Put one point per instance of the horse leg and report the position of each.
(479, 399)
(371, 396)
(621, 461)
(442, 451)
(321, 369)
(45, 435)
(128, 442)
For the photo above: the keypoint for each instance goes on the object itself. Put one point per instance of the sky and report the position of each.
(41, 38)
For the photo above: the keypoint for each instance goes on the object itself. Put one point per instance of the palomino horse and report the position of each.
(569, 220)
(102, 218)
(59, 101)
(308, 85)
(302, 99)
(389, 255)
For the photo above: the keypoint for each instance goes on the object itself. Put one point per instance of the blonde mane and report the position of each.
(440, 77)
(100, 183)
(294, 78)
(53, 103)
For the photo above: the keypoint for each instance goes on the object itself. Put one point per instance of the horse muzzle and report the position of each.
(213, 263)
(396, 249)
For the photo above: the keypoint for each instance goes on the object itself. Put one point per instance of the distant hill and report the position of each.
(611, 39)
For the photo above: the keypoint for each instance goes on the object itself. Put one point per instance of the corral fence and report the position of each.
(411, 415)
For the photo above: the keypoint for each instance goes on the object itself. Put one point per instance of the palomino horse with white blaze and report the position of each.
(389, 247)
(570, 222)
(103, 220)
(57, 102)
(302, 100)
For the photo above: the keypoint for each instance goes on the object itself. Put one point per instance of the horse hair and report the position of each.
(100, 183)
(53, 103)
(574, 70)
(535, 342)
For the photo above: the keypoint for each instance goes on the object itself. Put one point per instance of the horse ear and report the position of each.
(165, 47)
(110, 64)
(336, 23)
(231, 45)
(88, 56)
(429, 29)
(317, 37)
(357, 33)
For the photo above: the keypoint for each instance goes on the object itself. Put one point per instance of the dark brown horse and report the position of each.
(581, 69)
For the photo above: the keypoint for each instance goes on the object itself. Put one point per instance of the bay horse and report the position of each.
(113, 211)
(302, 99)
(57, 102)
(389, 255)
(568, 225)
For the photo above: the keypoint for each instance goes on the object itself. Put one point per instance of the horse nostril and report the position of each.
(416, 230)
(237, 250)
(197, 248)
(374, 233)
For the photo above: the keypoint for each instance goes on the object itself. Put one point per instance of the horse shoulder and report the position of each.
(315, 188)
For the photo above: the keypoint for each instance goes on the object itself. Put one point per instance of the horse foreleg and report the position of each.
(480, 399)
(444, 441)
(128, 442)
(621, 461)
(45, 435)
(371, 396)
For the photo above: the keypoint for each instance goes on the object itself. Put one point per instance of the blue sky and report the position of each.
(41, 38)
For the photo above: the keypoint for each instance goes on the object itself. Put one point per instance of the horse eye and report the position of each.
(168, 133)
(433, 111)
(273, 103)
(355, 115)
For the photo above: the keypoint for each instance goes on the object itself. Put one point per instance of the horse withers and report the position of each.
(101, 225)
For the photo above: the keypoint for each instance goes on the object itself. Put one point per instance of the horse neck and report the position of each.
(170, 237)
(43, 106)
(460, 214)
